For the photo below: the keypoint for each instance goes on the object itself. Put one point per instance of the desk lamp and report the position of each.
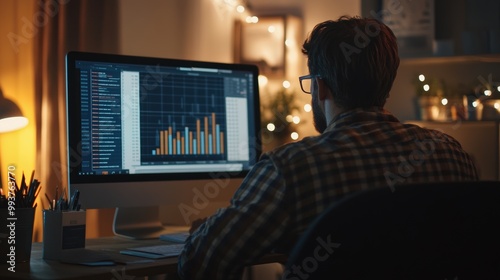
(11, 118)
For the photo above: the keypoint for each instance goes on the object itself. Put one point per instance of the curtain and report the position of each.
(77, 25)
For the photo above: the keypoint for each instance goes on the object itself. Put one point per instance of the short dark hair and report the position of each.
(356, 57)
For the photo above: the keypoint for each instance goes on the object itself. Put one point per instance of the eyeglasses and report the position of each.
(305, 83)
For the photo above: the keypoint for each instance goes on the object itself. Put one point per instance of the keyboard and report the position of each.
(155, 251)
(177, 237)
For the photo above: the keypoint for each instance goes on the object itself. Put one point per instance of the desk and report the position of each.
(38, 268)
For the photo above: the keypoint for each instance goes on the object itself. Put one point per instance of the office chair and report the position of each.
(419, 231)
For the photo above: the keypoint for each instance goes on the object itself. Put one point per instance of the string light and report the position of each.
(421, 77)
(307, 108)
(271, 127)
(252, 19)
(263, 80)
(444, 101)
(286, 84)
(427, 87)
(294, 136)
(487, 92)
(296, 119)
(237, 7)
(240, 9)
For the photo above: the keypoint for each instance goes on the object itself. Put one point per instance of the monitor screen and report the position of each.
(142, 131)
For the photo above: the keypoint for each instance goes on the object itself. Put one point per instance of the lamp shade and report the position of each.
(11, 117)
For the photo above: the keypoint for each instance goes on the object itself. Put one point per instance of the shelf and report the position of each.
(481, 58)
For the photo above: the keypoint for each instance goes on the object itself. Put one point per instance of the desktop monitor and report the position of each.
(145, 132)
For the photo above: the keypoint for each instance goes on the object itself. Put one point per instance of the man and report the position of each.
(352, 64)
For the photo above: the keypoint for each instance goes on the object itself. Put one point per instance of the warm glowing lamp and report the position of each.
(11, 117)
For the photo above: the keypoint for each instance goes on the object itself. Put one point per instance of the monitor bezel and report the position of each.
(74, 120)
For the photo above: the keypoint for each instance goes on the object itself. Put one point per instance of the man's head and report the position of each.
(357, 59)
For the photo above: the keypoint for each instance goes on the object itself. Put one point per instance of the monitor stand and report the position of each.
(141, 223)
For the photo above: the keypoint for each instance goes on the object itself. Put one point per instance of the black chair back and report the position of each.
(419, 231)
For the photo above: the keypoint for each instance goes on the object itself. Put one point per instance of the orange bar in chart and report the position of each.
(222, 142)
(198, 136)
(190, 150)
(206, 135)
(178, 139)
(214, 135)
(162, 142)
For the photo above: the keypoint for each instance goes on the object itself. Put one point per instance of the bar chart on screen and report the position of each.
(184, 118)
(202, 141)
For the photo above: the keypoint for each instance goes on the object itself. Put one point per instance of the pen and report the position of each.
(71, 202)
(57, 192)
(63, 202)
(50, 202)
(75, 200)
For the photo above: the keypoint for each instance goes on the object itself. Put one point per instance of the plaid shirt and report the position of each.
(293, 184)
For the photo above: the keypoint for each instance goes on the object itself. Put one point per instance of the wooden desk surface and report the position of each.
(38, 268)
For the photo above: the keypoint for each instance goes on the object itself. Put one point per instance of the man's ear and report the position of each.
(323, 90)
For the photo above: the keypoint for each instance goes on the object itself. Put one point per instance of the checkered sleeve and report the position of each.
(241, 233)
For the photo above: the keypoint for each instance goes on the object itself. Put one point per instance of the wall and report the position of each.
(320, 10)
(150, 28)
(189, 29)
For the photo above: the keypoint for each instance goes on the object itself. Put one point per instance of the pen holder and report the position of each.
(62, 230)
(16, 235)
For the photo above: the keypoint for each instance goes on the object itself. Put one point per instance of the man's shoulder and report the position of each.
(310, 146)
(433, 134)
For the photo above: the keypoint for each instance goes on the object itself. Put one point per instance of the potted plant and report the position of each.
(429, 93)
(275, 118)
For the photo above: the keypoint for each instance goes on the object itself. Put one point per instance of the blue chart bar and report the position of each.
(217, 134)
(200, 141)
(170, 146)
(210, 144)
